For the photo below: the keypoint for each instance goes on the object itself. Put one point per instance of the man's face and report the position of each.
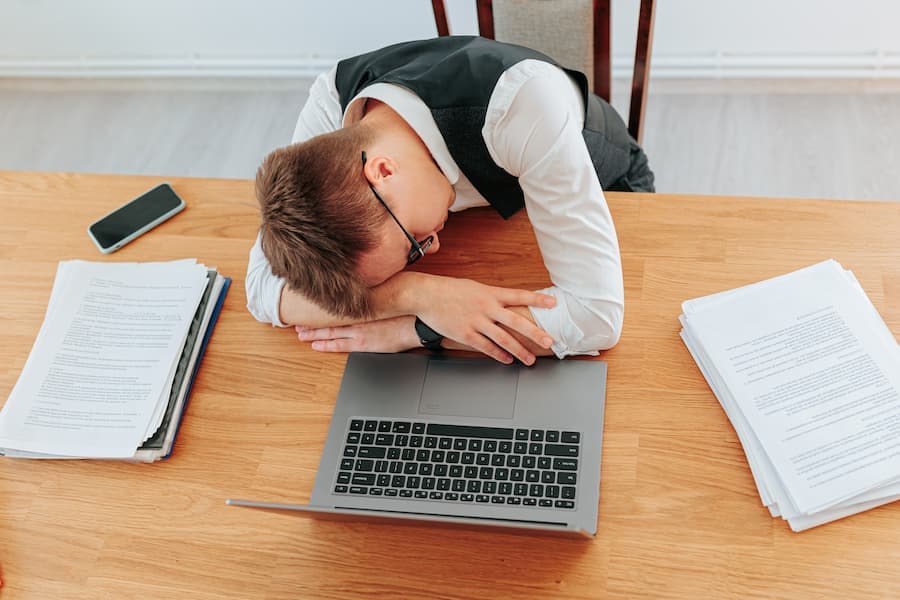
(420, 200)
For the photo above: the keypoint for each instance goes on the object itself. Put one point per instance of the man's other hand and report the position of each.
(387, 335)
(472, 313)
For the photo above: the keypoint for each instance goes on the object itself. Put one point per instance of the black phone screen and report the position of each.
(137, 214)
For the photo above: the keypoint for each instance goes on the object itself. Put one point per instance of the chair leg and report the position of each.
(440, 17)
(602, 56)
(640, 79)
(485, 18)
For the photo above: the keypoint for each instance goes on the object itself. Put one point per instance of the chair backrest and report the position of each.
(576, 33)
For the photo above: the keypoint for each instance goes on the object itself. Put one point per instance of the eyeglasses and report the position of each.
(418, 249)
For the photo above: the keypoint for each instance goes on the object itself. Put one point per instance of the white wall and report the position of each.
(275, 38)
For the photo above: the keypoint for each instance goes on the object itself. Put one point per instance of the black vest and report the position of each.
(455, 77)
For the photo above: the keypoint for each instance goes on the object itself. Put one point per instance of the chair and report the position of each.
(576, 33)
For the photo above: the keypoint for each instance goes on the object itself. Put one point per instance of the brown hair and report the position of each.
(319, 216)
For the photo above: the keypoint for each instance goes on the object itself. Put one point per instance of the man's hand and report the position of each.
(387, 335)
(471, 313)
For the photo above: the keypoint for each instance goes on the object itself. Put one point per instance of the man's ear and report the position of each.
(379, 167)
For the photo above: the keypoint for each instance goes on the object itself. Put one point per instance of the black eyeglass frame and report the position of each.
(418, 249)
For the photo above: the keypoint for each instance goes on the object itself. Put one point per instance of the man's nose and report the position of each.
(435, 244)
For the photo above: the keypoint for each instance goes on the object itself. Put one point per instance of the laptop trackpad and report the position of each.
(469, 388)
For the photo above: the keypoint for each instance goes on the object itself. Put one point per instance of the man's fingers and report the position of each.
(339, 345)
(486, 346)
(324, 333)
(524, 326)
(512, 345)
(512, 297)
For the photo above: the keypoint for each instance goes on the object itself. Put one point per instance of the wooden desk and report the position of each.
(679, 514)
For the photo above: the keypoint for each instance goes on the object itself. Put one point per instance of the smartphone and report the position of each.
(135, 218)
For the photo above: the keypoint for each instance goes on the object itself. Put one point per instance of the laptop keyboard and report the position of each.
(454, 463)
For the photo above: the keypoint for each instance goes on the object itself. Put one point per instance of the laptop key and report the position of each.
(566, 478)
(467, 497)
(560, 450)
(384, 439)
(513, 500)
(537, 435)
(544, 462)
(390, 492)
(368, 439)
(548, 477)
(363, 464)
(401, 427)
(568, 492)
(570, 437)
(436, 496)
(565, 464)
(375, 491)
(459, 485)
(482, 498)
(384, 480)
(445, 443)
(418, 428)
(371, 452)
(545, 503)
(451, 496)
(340, 489)
(529, 501)
(363, 479)
(497, 500)
(564, 504)
(359, 490)
(356, 425)
(495, 433)
(521, 434)
(384, 426)
(406, 493)
(420, 494)
(347, 464)
(370, 426)
(350, 451)
(353, 437)
(553, 436)
(343, 477)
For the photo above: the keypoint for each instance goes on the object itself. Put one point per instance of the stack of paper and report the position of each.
(809, 375)
(110, 371)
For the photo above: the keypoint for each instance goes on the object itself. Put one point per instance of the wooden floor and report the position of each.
(803, 139)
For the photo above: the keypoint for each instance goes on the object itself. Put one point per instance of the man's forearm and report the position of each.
(393, 298)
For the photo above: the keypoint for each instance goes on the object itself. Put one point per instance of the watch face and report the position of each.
(428, 337)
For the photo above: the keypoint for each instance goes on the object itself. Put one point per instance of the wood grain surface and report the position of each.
(679, 514)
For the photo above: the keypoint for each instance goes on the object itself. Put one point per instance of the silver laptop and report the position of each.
(463, 440)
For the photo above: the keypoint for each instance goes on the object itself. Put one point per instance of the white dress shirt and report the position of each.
(533, 131)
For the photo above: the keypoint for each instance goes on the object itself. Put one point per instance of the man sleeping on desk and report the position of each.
(390, 141)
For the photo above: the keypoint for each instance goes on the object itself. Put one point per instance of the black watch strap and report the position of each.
(428, 337)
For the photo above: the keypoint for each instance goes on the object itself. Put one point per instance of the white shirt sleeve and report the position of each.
(533, 131)
(320, 114)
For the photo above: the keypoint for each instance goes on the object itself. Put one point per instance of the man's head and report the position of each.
(325, 232)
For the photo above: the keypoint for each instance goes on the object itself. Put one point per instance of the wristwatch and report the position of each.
(428, 337)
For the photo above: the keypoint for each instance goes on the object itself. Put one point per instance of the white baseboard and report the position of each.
(874, 65)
